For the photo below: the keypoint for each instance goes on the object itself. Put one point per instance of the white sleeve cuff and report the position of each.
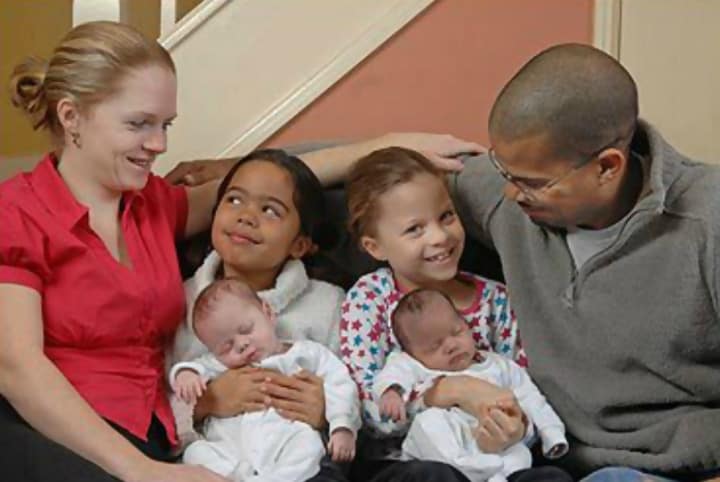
(194, 366)
(343, 422)
(554, 443)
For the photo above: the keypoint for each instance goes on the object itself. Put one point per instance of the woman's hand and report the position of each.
(195, 173)
(235, 391)
(298, 397)
(153, 471)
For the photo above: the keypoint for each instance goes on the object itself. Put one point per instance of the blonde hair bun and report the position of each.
(27, 89)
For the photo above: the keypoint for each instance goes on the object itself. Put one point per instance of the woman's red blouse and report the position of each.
(105, 325)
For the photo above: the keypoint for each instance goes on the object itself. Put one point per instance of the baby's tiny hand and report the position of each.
(342, 445)
(392, 405)
(189, 385)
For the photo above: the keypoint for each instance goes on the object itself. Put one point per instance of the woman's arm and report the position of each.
(48, 402)
(201, 200)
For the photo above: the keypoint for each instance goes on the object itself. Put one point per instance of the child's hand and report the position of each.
(189, 385)
(392, 405)
(498, 429)
(342, 445)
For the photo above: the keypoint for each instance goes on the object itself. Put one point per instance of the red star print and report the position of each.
(356, 325)
(522, 361)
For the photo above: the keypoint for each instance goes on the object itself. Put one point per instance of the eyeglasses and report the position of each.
(533, 189)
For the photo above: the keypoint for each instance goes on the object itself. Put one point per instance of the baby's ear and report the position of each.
(269, 312)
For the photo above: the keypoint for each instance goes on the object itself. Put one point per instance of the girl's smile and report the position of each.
(256, 228)
(418, 232)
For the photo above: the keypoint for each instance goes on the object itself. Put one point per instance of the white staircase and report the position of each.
(246, 67)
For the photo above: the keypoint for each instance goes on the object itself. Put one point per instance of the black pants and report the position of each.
(28, 456)
(424, 471)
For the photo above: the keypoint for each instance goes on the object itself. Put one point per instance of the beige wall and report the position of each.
(677, 71)
(27, 27)
(442, 72)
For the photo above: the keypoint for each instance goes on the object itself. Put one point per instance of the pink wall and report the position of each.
(442, 72)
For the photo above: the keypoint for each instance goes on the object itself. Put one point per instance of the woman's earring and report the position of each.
(76, 139)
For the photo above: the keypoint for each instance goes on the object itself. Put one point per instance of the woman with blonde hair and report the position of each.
(89, 284)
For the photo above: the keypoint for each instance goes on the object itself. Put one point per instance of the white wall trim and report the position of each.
(607, 18)
(84, 11)
(190, 22)
(283, 111)
(168, 15)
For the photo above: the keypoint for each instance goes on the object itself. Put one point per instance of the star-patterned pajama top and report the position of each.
(366, 337)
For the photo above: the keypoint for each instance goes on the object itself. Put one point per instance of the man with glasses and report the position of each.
(610, 244)
(609, 240)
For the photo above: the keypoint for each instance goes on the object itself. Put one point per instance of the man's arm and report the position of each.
(332, 164)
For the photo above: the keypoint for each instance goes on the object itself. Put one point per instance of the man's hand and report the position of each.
(441, 149)
(194, 173)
